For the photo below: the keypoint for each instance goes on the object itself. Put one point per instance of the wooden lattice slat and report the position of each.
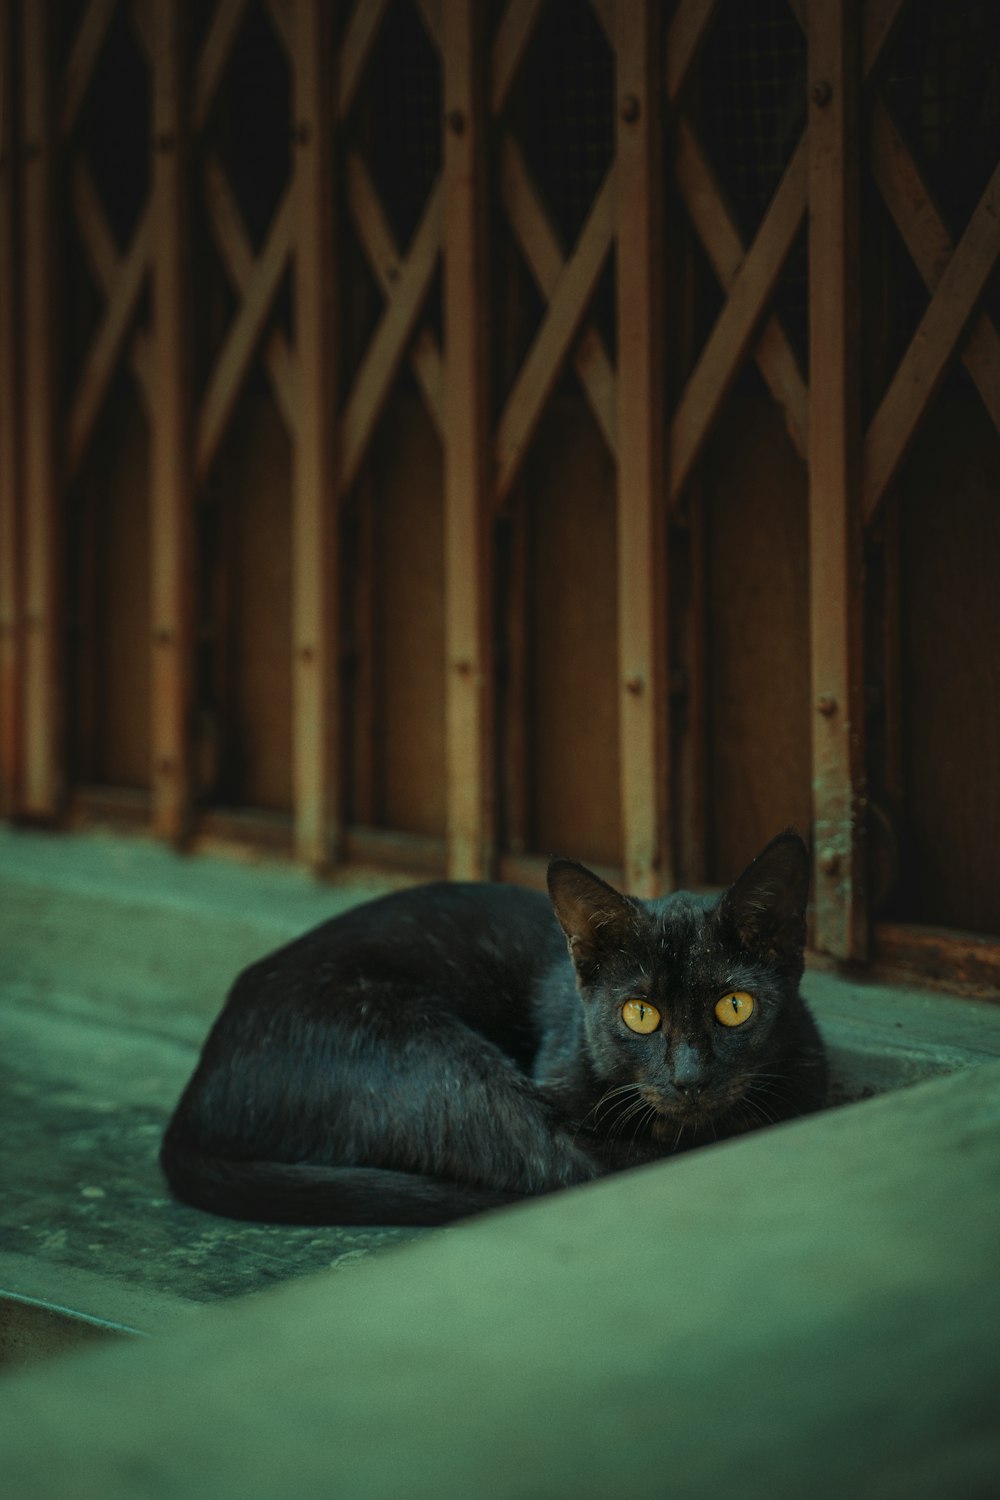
(106, 347)
(105, 263)
(315, 534)
(10, 585)
(236, 251)
(563, 317)
(517, 25)
(359, 39)
(43, 776)
(469, 679)
(835, 553)
(933, 347)
(774, 356)
(540, 247)
(170, 477)
(387, 263)
(213, 57)
(389, 344)
(687, 31)
(243, 338)
(83, 57)
(644, 697)
(750, 293)
(956, 281)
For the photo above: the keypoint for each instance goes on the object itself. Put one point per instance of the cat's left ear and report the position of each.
(765, 909)
(594, 916)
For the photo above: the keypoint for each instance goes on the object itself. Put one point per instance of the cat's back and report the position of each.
(445, 917)
(461, 941)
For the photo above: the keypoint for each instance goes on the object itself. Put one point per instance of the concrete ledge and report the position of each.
(811, 1311)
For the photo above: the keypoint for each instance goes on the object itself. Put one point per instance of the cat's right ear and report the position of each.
(594, 916)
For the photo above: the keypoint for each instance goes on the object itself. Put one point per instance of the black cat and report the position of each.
(435, 1052)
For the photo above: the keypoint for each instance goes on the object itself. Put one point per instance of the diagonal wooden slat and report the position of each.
(243, 338)
(362, 29)
(877, 22)
(386, 261)
(566, 310)
(105, 262)
(390, 341)
(926, 360)
(280, 12)
(880, 16)
(684, 38)
(513, 35)
(143, 23)
(430, 10)
(106, 347)
(85, 51)
(604, 10)
(237, 253)
(213, 57)
(722, 241)
(540, 247)
(929, 243)
(95, 232)
(729, 341)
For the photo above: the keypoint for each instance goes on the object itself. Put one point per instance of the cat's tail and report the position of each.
(273, 1192)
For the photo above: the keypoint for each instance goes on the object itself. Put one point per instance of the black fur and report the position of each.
(435, 1053)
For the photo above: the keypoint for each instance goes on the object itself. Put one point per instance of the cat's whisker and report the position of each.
(762, 1114)
(638, 1107)
(607, 1099)
(758, 1089)
(648, 1115)
(602, 1105)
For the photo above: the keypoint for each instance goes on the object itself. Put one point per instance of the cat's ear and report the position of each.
(594, 916)
(765, 909)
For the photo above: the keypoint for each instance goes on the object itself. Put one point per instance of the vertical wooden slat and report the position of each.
(515, 734)
(690, 742)
(43, 771)
(315, 619)
(468, 646)
(834, 447)
(363, 724)
(642, 534)
(170, 449)
(10, 612)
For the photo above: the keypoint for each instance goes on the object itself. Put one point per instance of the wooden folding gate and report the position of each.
(416, 434)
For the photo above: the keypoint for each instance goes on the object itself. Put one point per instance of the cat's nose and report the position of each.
(689, 1072)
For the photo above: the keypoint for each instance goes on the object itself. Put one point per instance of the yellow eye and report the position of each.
(735, 1008)
(640, 1016)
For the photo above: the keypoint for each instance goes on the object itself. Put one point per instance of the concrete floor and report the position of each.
(812, 1310)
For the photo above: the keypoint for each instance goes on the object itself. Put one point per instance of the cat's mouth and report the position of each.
(686, 1107)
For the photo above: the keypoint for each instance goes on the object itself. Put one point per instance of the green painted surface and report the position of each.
(811, 1311)
(807, 1312)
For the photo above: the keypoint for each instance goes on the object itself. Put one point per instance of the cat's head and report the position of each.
(691, 999)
